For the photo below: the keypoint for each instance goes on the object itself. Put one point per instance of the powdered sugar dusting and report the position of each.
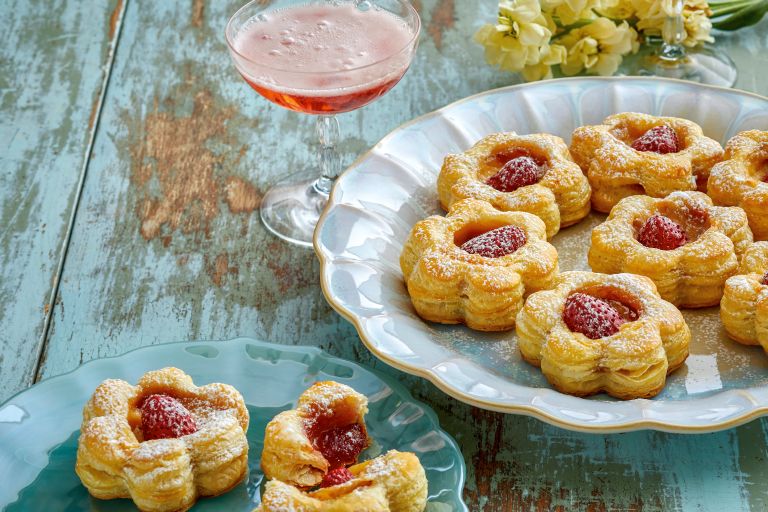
(383, 466)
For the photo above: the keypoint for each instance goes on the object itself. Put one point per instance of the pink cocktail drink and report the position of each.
(319, 57)
(323, 58)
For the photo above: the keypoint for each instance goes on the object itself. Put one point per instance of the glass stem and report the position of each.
(327, 128)
(673, 33)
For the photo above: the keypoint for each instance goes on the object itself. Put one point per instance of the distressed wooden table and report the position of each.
(133, 159)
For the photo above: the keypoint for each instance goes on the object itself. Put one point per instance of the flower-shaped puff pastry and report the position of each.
(449, 285)
(741, 179)
(527, 173)
(650, 340)
(326, 430)
(616, 170)
(691, 275)
(116, 458)
(393, 482)
(744, 308)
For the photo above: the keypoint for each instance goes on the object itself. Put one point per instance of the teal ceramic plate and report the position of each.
(39, 427)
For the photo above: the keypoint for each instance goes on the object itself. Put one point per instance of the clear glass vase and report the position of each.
(672, 59)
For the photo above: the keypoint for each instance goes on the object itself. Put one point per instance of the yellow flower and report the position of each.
(697, 29)
(516, 41)
(616, 9)
(649, 11)
(549, 56)
(524, 11)
(598, 47)
(571, 11)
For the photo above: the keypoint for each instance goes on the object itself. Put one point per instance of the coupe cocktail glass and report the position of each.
(321, 58)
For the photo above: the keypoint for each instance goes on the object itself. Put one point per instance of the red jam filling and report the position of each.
(339, 444)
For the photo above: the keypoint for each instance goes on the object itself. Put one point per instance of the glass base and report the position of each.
(704, 65)
(292, 207)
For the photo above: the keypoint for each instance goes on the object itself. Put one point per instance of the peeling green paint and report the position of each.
(51, 70)
(120, 290)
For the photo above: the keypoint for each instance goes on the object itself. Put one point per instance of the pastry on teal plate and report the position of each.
(39, 427)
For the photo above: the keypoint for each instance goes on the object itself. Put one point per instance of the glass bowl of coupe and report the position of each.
(321, 58)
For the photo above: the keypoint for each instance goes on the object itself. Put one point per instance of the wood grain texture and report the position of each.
(167, 246)
(51, 74)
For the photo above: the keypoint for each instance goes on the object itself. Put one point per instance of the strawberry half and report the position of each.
(659, 139)
(660, 232)
(164, 417)
(518, 172)
(594, 318)
(497, 242)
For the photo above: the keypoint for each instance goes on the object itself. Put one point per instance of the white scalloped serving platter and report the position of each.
(377, 200)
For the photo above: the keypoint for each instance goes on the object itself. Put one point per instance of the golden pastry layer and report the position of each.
(560, 198)
(289, 454)
(632, 363)
(159, 475)
(393, 482)
(449, 285)
(690, 276)
(615, 170)
(740, 179)
(744, 308)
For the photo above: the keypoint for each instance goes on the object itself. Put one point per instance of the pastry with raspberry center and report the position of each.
(326, 431)
(631, 154)
(393, 482)
(741, 179)
(164, 442)
(525, 173)
(311, 457)
(476, 265)
(744, 308)
(687, 246)
(596, 333)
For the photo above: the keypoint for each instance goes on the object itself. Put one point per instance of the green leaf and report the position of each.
(721, 9)
(744, 17)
